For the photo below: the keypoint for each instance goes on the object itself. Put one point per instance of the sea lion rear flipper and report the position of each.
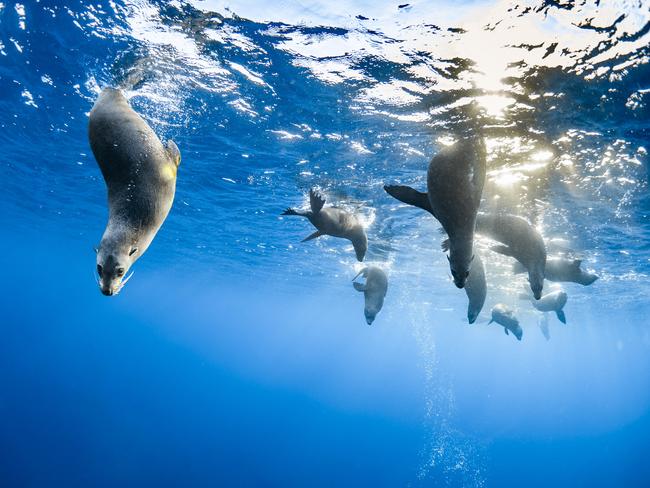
(359, 286)
(561, 316)
(409, 196)
(312, 236)
(502, 249)
(173, 152)
(316, 201)
(293, 211)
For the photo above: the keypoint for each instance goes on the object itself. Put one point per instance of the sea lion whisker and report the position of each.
(125, 280)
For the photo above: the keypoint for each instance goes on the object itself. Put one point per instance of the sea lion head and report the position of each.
(459, 264)
(372, 309)
(536, 280)
(472, 313)
(517, 331)
(359, 241)
(113, 264)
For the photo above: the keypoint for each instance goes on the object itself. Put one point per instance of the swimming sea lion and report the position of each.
(552, 302)
(476, 288)
(520, 240)
(374, 290)
(502, 315)
(140, 175)
(562, 270)
(543, 326)
(334, 222)
(454, 187)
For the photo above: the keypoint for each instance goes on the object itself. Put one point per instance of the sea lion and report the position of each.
(334, 222)
(502, 315)
(455, 182)
(476, 288)
(552, 302)
(140, 176)
(374, 290)
(520, 240)
(561, 269)
(543, 326)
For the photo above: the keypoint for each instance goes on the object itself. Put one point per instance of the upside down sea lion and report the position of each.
(140, 176)
(374, 290)
(520, 240)
(455, 180)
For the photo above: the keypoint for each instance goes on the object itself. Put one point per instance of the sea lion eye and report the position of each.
(120, 271)
(99, 270)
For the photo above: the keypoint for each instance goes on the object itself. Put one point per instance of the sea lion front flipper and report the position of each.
(561, 316)
(312, 236)
(359, 286)
(502, 249)
(409, 196)
(315, 201)
(364, 272)
(173, 152)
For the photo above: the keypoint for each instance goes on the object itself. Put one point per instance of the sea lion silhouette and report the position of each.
(561, 269)
(455, 180)
(374, 290)
(505, 317)
(520, 240)
(334, 222)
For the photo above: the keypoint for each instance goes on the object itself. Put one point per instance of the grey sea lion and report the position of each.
(552, 302)
(334, 222)
(561, 269)
(374, 290)
(520, 240)
(543, 326)
(476, 288)
(140, 175)
(502, 315)
(455, 182)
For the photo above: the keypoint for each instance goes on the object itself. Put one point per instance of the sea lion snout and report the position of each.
(370, 316)
(111, 274)
(460, 277)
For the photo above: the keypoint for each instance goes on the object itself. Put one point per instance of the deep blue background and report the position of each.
(237, 356)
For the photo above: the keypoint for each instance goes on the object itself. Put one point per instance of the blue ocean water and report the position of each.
(238, 356)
